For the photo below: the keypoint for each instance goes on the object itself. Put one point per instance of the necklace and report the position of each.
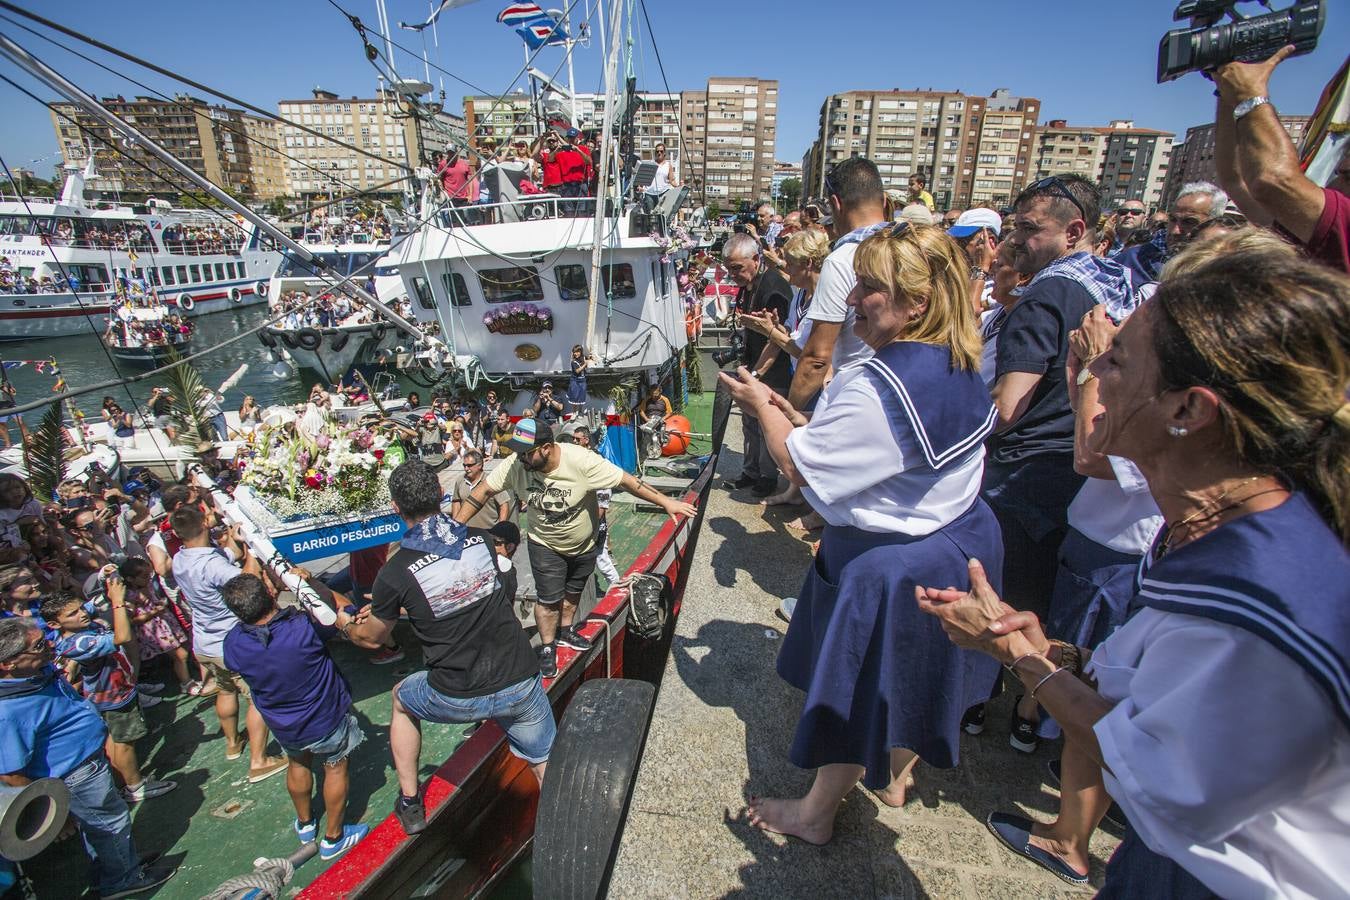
(1171, 531)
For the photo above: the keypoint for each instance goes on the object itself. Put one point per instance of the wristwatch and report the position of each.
(1248, 105)
(978, 274)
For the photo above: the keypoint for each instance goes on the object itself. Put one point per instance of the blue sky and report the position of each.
(1088, 61)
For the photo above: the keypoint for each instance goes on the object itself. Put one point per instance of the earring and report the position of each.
(1177, 431)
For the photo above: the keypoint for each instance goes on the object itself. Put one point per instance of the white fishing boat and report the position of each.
(328, 331)
(61, 260)
(145, 332)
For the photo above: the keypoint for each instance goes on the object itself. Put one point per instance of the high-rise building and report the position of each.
(498, 119)
(1062, 148)
(391, 138)
(656, 119)
(1136, 164)
(996, 155)
(969, 149)
(904, 132)
(730, 129)
(1193, 159)
(235, 150)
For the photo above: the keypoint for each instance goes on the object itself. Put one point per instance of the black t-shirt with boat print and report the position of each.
(472, 642)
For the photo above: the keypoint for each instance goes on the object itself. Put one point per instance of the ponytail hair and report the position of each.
(1269, 333)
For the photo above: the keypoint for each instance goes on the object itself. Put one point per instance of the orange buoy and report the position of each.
(677, 436)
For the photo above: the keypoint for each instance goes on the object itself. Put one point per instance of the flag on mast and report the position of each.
(535, 27)
(436, 14)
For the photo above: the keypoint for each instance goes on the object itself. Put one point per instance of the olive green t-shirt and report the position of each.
(563, 511)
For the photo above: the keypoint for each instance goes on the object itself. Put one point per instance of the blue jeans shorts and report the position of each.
(334, 748)
(522, 710)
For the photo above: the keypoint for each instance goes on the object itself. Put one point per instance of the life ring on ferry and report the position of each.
(235, 295)
(185, 302)
(677, 436)
(582, 807)
(309, 339)
(267, 339)
(261, 289)
(339, 341)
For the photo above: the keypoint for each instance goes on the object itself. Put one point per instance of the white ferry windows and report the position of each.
(619, 281)
(456, 289)
(517, 284)
(168, 275)
(196, 273)
(571, 282)
(423, 292)
(153, 274)
(182, 275)
(220, 271)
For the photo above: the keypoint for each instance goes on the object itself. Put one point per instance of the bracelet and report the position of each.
(1070, 657)
(1045, 679)
(1012, 666)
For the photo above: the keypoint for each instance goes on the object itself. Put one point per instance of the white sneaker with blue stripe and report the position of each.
(307, 831)
(351, 836)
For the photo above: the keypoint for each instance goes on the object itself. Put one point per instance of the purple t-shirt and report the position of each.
(299, 691)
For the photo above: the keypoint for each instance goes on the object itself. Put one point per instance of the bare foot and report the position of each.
(785, 817)
(895, 796)
(808, 522)
(788, 497)
(1079, 861)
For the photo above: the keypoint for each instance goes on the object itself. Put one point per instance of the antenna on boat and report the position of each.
(602, 182)
(58, 82)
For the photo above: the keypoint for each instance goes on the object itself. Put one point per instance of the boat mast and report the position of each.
(59, 83)
(602, 183)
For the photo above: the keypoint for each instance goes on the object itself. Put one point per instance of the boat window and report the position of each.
(168, 275)
(359, 261)
(182, 275)
(571, 282)
(457, 289)
(295, 267)
(229, 270)
(197, 273)
(422, 289)
(619, 281)
(383, 271)
(220, 271)
(153, 274)
(511, 285)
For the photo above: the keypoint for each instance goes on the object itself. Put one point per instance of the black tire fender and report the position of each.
(309, 339)
(288, 338)
(584, 799)
(339, 340)
(379, 330)
(267, 339)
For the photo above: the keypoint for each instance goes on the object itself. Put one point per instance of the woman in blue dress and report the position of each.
(576, 384)
(892, 460)
(1218, 715)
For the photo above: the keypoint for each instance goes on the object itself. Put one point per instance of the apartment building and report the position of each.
(730, 130)
(1135, 166)
(235, 150)
(1062, 148)
(1193, 158)
(656, 119)
(970, 149)
(391, 138)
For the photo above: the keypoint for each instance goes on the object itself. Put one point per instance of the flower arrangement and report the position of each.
(677, 241)
(338, 471)
(519, 318)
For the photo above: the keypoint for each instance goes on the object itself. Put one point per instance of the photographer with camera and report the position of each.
(761, 289)
(1259, 166)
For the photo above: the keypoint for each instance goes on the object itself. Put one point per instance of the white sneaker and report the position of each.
(786, 608)
(146, 790)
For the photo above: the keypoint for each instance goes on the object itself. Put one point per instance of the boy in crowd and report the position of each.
(303, 698)
(88, 649)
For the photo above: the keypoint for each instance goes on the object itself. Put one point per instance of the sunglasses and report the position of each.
(898, 229)
(1054, 183)
(1130, 212)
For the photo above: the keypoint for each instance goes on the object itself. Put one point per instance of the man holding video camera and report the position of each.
(1259, 166)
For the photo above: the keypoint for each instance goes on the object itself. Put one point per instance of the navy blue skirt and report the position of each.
(1136, 871)
(1093, 588)
(879, 673)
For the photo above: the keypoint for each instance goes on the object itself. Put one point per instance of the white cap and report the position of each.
(972, 220)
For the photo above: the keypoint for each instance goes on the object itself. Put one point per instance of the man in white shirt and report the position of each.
(857, 203)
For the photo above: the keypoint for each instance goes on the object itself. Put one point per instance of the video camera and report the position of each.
(732, 353)
(748, 215)
(1210, 42)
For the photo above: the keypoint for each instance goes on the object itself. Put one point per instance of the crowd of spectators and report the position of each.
(368, 227)
(1115, 462)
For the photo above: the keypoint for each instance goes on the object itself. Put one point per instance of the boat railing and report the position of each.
(102, 244)
(202, 248)
(89, 295)
(527, 208)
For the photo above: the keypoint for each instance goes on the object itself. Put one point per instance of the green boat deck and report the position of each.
(216, 823)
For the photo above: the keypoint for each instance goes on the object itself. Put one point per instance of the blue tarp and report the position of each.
(619, 446)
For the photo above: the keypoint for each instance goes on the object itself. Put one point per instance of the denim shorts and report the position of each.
(334, 748)
(522, 710)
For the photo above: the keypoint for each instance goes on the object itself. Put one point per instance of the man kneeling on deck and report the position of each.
(302, 697)
(479, 662)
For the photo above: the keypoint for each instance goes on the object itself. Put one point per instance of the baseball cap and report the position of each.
(572, 132)
(506, 532)
(917, 214)
(529, 434)
(972, 220)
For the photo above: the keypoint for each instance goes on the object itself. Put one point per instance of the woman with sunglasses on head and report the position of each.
(883, 688)
(1218, 715)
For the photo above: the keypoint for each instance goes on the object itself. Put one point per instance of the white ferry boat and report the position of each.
(60, 261)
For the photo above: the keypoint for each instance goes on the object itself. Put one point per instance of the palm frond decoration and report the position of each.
(189, 393)
(44, 454)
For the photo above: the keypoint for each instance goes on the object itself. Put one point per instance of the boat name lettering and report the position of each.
(347, 537)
